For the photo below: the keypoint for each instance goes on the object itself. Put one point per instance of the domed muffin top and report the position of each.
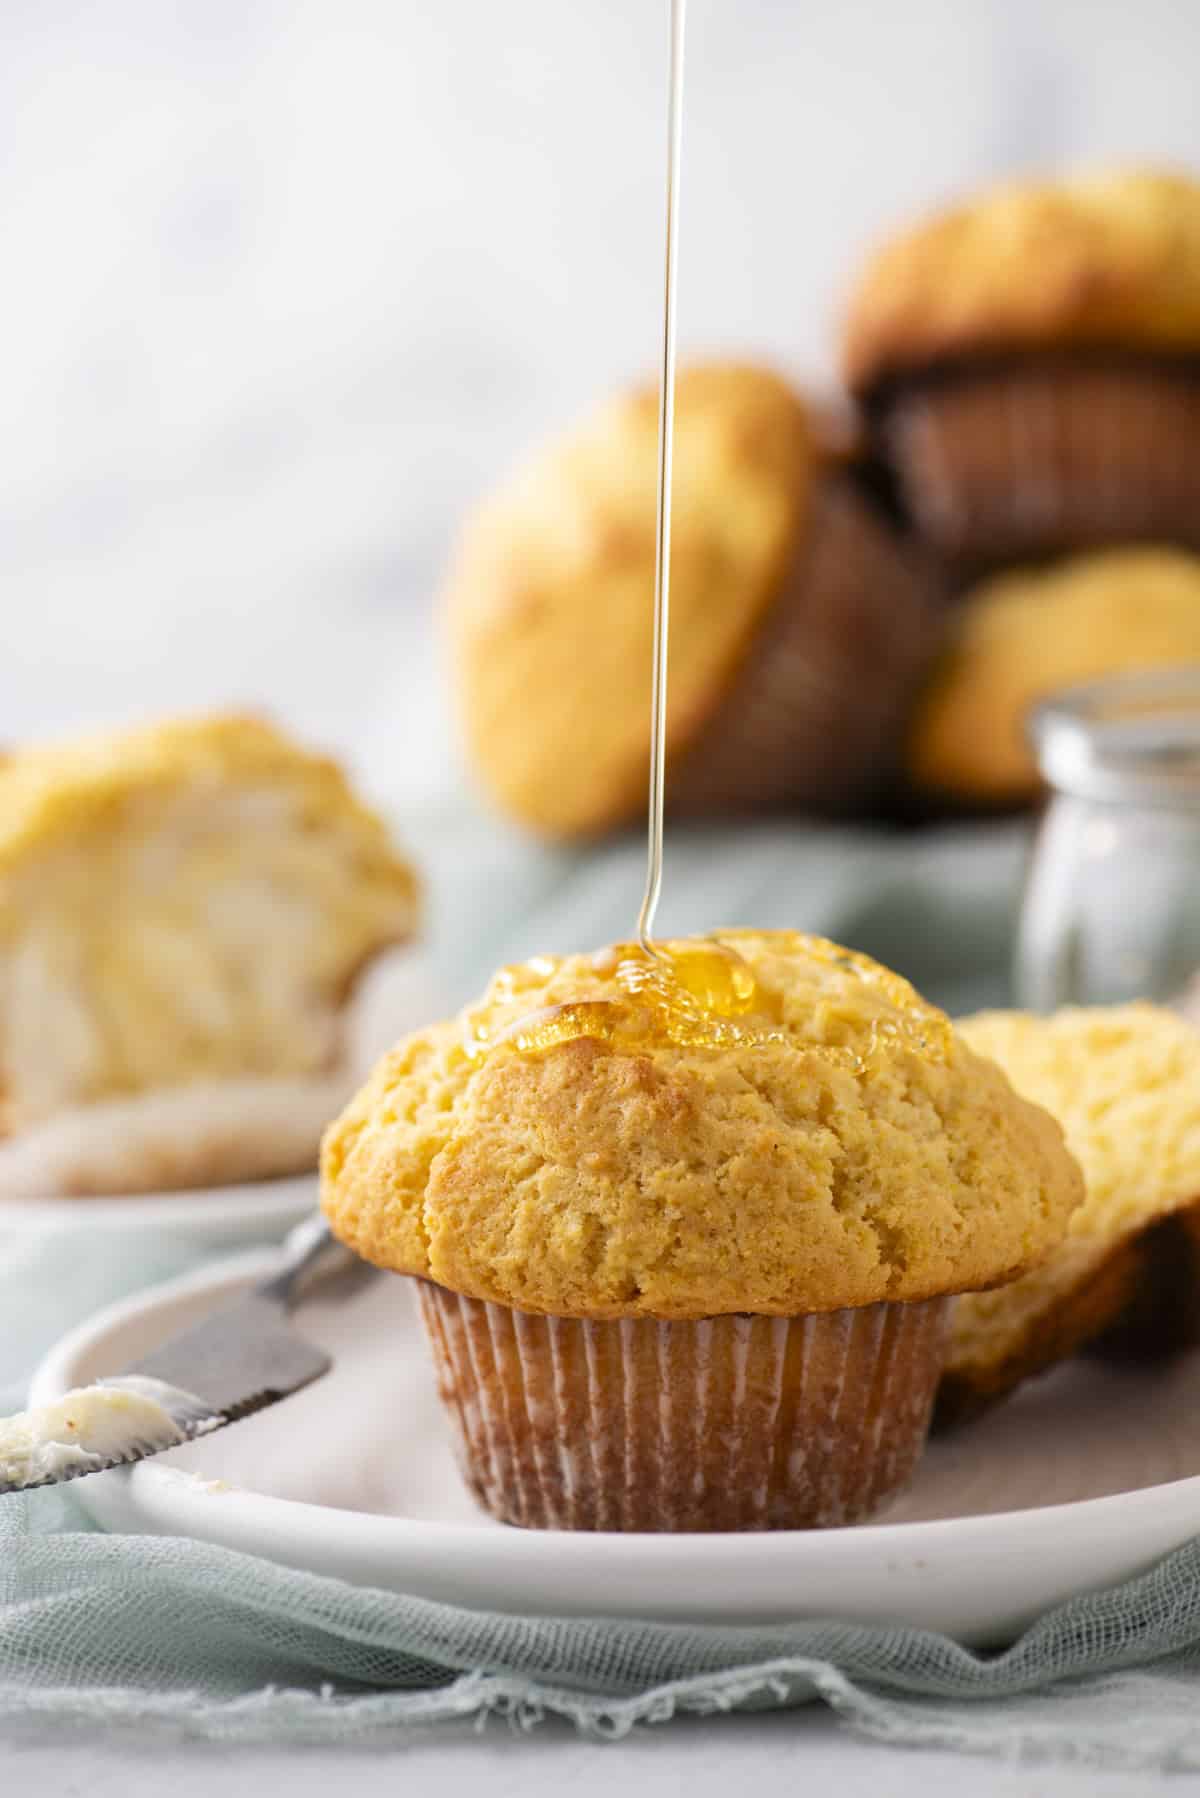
(826, 1140)
(1109, 260)
(550, 598)
(1025, 634)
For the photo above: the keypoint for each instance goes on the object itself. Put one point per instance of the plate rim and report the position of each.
(266, 1201)
(49, 1382)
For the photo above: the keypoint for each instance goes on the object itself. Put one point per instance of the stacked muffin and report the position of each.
(1026, 370)
(1030, 364)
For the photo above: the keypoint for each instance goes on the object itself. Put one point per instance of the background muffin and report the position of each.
(185, 911)
(1124, 1081)
(799, 622)
(761, 1228)
(1021, 636)
(1032, 359)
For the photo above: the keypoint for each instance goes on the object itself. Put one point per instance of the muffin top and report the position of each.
(594, 1141)
(190, 900)
(1021, 636)
(550, 600)
(51, 791)
(1108, 260)
(1124, 1081)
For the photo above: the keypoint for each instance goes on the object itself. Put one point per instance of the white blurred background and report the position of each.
(286, 282)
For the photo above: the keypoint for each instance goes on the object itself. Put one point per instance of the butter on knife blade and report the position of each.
(242, 1357)
(99, 1426)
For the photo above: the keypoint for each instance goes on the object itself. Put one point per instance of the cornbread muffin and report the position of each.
(1019, 637)
(744, 1179)
(185, 910)
(799, 618)
(1032, 359)
(1124, 1081)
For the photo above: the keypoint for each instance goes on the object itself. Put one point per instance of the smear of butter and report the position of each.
(95, 1426)
(198, 1482)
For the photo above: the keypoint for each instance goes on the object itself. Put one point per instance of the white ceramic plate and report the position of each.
(221, 1217)
(1086, 1478)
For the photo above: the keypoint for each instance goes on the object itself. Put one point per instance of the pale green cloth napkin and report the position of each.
(153, 1630)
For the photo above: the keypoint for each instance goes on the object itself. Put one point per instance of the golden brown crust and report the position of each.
(51, 790)
(191, 901)
(1161, 1316)
(1082, 1312)
(549, 602)
(1125, 1083)
(863, 1153)
(1023, 635)
(1109, 260)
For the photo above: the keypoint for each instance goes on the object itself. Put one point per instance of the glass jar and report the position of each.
(1112, 902)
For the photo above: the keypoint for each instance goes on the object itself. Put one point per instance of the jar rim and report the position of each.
(1123, 739)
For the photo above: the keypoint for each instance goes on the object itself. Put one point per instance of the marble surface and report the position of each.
(703, 1758)
(286, 284)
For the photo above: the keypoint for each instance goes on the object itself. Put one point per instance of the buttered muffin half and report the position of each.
(185, 912)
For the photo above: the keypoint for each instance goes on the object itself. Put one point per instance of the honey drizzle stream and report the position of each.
(701, 992)
(662, 537)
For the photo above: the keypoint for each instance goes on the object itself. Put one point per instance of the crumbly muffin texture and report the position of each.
(549, 601)
(1108, 260)
(860, 1152)
(187, 902)
(1023, 635)
(1124, 1081)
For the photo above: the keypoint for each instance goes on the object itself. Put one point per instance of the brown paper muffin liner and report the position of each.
(1038, 457)
(1162, 1314)
(726, 1423)
(816, 710)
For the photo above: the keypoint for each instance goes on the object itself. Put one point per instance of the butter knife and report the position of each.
(241, 1359)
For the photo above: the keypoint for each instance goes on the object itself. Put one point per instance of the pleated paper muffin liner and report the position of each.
(725, 1423)
(815, 712)
(1041, 457)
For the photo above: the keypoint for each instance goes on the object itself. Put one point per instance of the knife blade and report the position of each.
(241, 1359)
